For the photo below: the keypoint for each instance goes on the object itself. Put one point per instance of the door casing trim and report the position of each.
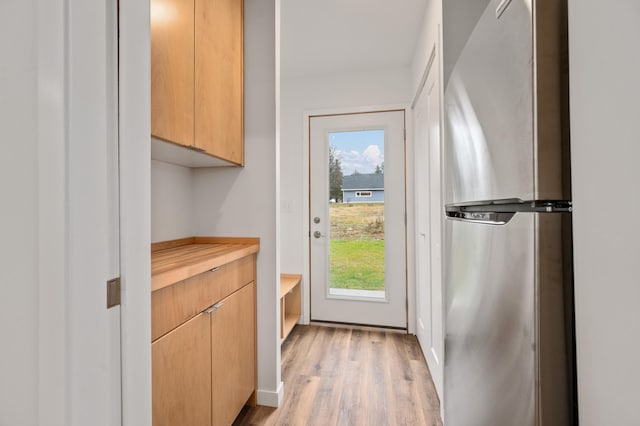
(409, 210)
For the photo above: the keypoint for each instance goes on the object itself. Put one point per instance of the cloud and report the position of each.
(373, 155)
(363, 162)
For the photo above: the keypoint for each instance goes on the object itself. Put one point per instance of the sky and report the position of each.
(358, 150)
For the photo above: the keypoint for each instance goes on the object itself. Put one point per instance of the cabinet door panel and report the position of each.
(219, 78)
(181, 375)
(172, 70)
(233, 354)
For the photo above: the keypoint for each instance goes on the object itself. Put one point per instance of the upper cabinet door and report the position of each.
(219, 81)
(172, 70)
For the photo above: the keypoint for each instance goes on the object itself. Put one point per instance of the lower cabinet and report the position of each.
(181, 375)
(204, 371)
(233, 355)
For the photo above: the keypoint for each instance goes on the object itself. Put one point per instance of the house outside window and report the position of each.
(363, 188)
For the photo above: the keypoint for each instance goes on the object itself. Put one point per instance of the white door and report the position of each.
(94, 347)
(357, 218)
(113, 212)
(429, 213)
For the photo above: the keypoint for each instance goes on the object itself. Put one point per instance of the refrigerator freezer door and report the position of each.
(489, 149)
(490, 323)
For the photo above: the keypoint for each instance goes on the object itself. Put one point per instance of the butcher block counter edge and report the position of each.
(176, 260)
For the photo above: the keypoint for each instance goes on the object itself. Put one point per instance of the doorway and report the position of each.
(357, 218)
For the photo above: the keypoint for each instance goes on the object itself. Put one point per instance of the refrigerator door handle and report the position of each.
(500, 212)
(488, 218)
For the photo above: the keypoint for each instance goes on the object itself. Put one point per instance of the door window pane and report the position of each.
(356, 213)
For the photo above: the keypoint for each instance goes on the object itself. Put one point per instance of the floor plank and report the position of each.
(342, 376)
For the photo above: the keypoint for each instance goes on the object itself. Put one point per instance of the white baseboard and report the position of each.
(271, 398)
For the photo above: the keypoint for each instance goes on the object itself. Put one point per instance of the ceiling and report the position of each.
(332, 36)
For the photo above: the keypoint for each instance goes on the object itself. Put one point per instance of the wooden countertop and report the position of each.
(177, 260)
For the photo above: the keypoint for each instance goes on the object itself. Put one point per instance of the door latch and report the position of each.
(113, 292)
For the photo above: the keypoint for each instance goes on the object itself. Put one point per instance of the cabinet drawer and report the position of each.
(175, 304)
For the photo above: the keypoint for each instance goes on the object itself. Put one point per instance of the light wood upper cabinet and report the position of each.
(172, 70)
(219, 78)
(197, 84)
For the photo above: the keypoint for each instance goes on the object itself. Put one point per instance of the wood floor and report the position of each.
(339, 376)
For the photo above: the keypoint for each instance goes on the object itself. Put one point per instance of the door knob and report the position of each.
(317, 234)
(316, 219)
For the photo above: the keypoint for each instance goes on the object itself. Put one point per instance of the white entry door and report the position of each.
(357, 218)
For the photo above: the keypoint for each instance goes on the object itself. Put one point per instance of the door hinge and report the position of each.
(113, 292)
(404, 134)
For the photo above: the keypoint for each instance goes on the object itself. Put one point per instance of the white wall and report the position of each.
(171, 201)
(341, 91)
(604, 67)
(19, 224)
(243, 202)
(135, 227)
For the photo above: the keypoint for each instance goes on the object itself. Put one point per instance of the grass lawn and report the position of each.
(357, 246)
(357, 264)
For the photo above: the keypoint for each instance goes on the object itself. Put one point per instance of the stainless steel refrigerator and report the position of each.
(509, 339)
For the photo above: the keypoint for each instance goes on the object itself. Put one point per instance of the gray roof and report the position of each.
(363, 181)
